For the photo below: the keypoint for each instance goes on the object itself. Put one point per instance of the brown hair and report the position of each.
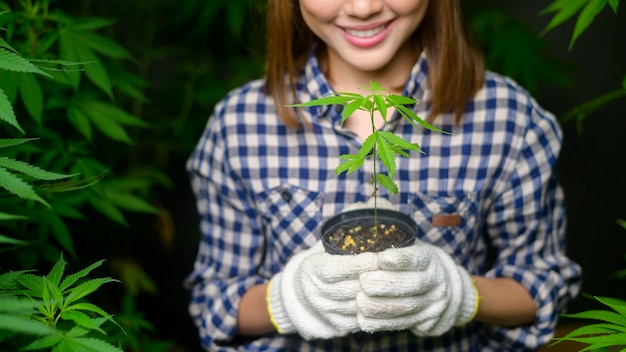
(455, 65)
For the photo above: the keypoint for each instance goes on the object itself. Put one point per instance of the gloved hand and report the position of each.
(418, 288)
(315, 294)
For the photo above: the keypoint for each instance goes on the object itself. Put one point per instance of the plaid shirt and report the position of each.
(263, 191)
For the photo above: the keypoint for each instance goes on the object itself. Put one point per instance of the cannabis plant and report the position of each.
(381, 145)
(49, 312)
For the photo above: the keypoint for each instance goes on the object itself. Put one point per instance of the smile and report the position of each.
(365, 33)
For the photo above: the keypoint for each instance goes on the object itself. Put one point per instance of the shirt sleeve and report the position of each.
(231, 239)
(526, 226)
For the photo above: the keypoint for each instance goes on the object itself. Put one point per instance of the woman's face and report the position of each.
(365, 35)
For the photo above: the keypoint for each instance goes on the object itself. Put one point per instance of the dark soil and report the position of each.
(358, 237)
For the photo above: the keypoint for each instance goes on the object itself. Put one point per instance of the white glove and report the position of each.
(418, 288)
(315, 294)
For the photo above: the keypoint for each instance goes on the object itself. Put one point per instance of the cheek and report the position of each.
(320, 10)
(409, 7)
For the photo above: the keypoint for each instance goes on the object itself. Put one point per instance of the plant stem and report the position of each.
(374, 178)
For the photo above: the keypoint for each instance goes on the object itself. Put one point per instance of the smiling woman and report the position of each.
(262, 280)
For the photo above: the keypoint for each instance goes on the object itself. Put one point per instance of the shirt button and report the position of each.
(286, 195)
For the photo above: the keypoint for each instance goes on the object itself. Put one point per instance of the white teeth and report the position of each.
(366, 33)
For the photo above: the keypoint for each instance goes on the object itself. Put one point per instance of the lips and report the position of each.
(366, 37)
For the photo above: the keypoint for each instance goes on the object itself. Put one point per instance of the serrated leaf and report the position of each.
(82, 24)
(85, 289)
(100, 44)
(380, 106)
(586, 17)
(77, 51)
(367, 147)
(17, 186)
(109, 210)
(32, 282)
(11, 241)
(131, 202)
(43, 342)
(6, 112)
(81, 319)
(352, 163)
(85, 306)
(329, 100)
(396, 100)
(86, 344)
(411, 117)
(24, 325)
(398, 141)
(387, 183)
(69, 280)
(564, 10)
(110, 111)
(387, 156)
(56, 273)
(602, 315)
(62, 234)
(30, 170)
(32, 96)
(349, 109)
(78, 117)
(11, 61)
(11, 142)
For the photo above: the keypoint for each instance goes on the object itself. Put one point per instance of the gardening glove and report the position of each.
(315, 294)
(418, 288)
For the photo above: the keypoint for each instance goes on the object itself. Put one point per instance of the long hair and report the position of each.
(455, 65)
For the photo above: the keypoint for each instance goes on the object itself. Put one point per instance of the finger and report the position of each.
(398, 283)
(340, 290)
(390, 307)
(321, 303)
(334, 268)
(414, 257)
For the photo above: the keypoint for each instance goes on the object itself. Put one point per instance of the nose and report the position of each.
(363, 8)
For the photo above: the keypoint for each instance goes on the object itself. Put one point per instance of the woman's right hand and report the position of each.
(315, 294)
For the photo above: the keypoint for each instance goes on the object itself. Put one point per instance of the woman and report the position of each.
(489, 272)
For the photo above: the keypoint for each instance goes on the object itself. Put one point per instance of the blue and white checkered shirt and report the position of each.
(263, 191)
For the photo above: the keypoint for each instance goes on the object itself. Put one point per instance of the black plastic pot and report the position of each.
(364, 218)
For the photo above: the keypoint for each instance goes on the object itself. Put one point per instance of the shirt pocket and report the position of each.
(446, 221)
(291, 218)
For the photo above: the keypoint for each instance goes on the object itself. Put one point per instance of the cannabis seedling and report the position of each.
(380, 145)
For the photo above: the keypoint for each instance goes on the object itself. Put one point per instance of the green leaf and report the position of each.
(12, 241)
(17, 186)
(100, 44)
(352, 163)
(62, 234)
(24, 325)
(32, 282)
(6, 112)
(398, 141)
(368, 145)
(73, 278)
(380, 106)
(109, 210)
(30, 170)
(85, 306)
(43, 342)
(73, 50)
(131, 202)
(11, 61)
(56, 273)
(564, 10)
(4, 143)
(86, 344)
(350, 108)
(411, 117)
(586, 17)
(329, 100)
(78, 117)
(614, 4)
(83, 24)
(84, 289)
(81, 319)
(386, 155)
(388, 183)
(396, 100)
(32, 96)
(617, 305)
(602, 315)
